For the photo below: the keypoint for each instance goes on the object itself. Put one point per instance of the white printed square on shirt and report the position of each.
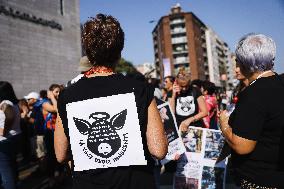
(105, 132)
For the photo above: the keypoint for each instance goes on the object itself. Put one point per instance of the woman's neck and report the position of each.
(258, 75)
(100, 74)
(99, 71)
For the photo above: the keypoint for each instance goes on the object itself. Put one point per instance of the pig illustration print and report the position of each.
(185, 106)
(103, 139)
(105, 132)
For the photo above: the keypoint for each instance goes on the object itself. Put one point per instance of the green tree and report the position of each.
(125, 66)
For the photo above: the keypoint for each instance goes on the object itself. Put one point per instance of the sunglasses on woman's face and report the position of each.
(183, 76)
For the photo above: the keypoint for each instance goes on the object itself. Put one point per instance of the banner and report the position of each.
(167, 67)
(197, 167)
(176, 146)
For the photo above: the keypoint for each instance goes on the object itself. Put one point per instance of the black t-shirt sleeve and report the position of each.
(149, 94)
(61, 106)
(248, 118)
(197, 93)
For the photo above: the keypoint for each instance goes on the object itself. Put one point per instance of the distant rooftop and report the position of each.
(176, 9)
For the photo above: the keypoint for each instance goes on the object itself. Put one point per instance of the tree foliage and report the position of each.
(125, 66)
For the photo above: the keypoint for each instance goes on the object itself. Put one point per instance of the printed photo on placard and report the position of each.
(212, 177)
(176, 146)
(181, 167)
(169, 124)
(105, 132)
(213, 144)
(192, 139)
(188, 167)
(159, 101)
(185, 183)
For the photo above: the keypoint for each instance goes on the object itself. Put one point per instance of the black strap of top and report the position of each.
(280, 79)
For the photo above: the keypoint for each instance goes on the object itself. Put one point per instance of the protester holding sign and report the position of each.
(189, 107)
(110, 121)
(187, 102)
(255, 128)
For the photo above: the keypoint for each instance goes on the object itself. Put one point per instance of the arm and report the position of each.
(2, 122)
(31, 120)
(202, 113)
(60, 142)
(240, 145)
(156, 139)
(172, 100)
(50, 107)
(172, 103)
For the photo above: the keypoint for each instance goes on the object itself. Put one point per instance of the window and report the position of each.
(61, 7)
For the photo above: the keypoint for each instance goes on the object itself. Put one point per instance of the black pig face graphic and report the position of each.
(103, 139)
(185, 106)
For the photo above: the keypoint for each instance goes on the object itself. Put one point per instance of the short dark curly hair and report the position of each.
(103, 40)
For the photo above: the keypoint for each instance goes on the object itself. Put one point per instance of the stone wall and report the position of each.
(39, 43)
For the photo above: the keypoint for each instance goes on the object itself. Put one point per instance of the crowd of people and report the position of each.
(27, 128)
(105, 126)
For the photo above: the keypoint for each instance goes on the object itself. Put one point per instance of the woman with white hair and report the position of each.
(255, 130)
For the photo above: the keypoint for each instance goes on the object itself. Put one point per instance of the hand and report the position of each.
(177, 156)
(218, 114)
(176, 88)
(223, 118)
(24, 114)
(50, 95)
(184, 125)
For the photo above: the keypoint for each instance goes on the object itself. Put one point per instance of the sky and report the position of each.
(230, 19)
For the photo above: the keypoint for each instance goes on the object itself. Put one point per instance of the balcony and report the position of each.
(180, 52)
(178, 40)
(178, 30)
(177, 21)
(181, 60)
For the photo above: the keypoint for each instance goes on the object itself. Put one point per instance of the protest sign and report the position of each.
(197, 167)
(176, 146)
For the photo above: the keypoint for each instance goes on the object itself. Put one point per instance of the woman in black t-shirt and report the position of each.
(187, 103)
(255, 129)
(189, 108)
(109, 122)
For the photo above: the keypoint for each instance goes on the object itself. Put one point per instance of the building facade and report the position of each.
(39, 43)
(179, 41)
(219, 65)
(147, 69)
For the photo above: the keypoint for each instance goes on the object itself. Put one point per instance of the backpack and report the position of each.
(40, 122)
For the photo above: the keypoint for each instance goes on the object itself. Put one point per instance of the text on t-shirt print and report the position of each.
(103, 140)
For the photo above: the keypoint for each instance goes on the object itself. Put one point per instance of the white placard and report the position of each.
(105, 132)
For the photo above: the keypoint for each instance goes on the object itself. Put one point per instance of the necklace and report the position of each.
(98, 69)
(259, 76)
